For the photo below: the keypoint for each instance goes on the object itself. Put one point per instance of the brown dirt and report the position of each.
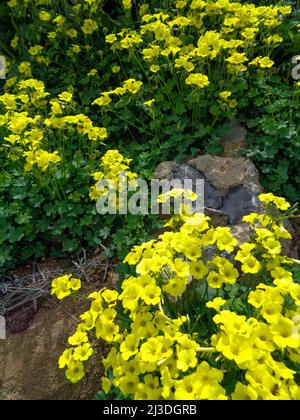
(28, 359)
(296, 225)
(20, 320)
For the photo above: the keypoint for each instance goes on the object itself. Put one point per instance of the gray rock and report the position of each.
(165, 170)
(235, 140)
(212, 198)
(218, 217)
(227, 173)
(185, 171)
(239, 202)
(241, 232)
(289, 247)
(231, 185)
(231, 192)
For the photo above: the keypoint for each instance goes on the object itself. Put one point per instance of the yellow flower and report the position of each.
(149, 103)
(74, 49)
(244, 392)
(78, 338)
(225, 240)
(111, 38)
(89, 26)
(59, 20)
(129, 384)
(83, 352)
(106, 330)
(25, 68)
(237, 58)
(180, 267)
(127, 4)
(198, 270)
(132, 85)
(225, 95)
(44, 16)
(35, 50)
(251, 265)
(279, 202)
(245, 251)
(116, 69)
(216, 304)
(12, 3)
(52, 35)
(183, 62)
(282, 331)
(151, 295)
(110, 295)
(272, 246)
(92, 73)
(104, 100)
(75, 284)
(129, 346)
(295, 293)
(249, 33)
(197, 79)
(154, 68)
(9, 101)
(151, 350)
(12, 138)
(232, 103)
(271, 311)
(176, 286)
(14, 42)
(228, 272)
(72, 33)
(266, 62)
(65, 358)
(41, 158)
(274, 39)
(186, 358)
(106, 384)
(197, 4)
(214, 280)
(65, 96)
(257, 298)
(130, 297)
(75, 371)
(64, 286)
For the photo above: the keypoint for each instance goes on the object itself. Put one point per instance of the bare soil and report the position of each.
(37, 335)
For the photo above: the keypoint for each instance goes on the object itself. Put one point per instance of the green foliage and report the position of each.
(36, 220)
(274, 134)
(50, 213)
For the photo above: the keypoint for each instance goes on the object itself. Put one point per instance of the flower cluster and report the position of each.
(205, 316)
(198, 36)
(65, 286)
(131, 85)
(30, 118)
(115, 171)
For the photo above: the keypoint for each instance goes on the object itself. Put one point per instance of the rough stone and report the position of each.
(231, 191)
(289, 247)
(218, 217)
(165, 170)
(227, 173)
(212, 198)
(231, 185)
(235, 140)
(241, 232)
(239, 202)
